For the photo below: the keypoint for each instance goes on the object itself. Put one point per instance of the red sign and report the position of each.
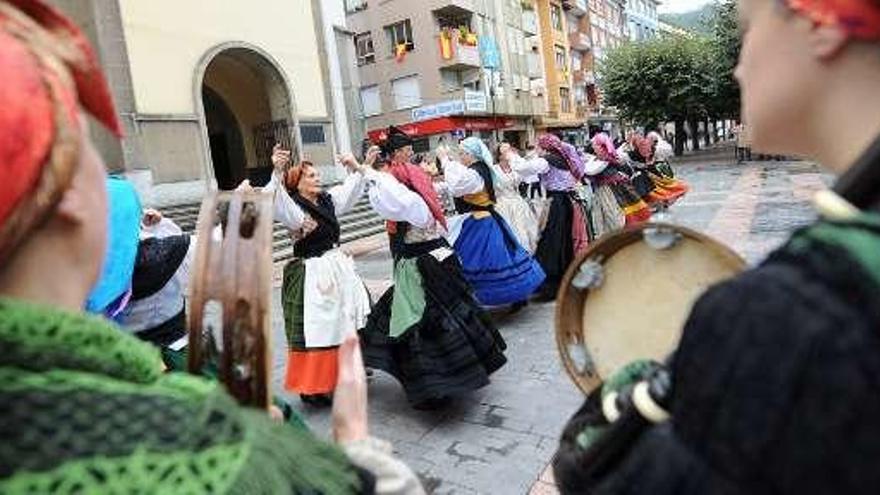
(445, 124)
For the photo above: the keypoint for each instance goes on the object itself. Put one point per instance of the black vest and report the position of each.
(326, 235)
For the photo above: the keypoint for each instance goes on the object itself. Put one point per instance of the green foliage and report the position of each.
(674, 78)
(696, 21)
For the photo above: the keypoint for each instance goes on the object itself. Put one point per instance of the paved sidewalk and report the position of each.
(500, 439)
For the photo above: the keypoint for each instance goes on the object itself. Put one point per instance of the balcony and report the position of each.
(576, 7)
(457, 53)
(535, 70)
(579, 41)
(584, 76)
(530, 22)
(452, 8)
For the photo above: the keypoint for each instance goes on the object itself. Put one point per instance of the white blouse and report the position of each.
(289, 213)
(396, 202)
(461, 179)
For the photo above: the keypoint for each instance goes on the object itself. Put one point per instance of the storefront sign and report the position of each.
(475, 101)
(427, 112)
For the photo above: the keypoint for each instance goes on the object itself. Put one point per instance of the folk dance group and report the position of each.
(431, 330)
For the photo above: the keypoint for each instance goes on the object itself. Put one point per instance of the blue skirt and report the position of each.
(497, 267)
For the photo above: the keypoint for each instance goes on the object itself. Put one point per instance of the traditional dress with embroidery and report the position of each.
(322, 296)
(512, 206)
(617, 179)
(566, 226)
(428, 330)
(666, 189)
(499, 269)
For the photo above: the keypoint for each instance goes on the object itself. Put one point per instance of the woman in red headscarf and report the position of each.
(774, 385)
(428, 330)
(663, 189)
(86, 407)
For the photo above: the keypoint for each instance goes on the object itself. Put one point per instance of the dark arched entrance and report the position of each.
(247, 110)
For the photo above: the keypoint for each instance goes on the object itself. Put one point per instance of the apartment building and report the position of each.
(582, 77)
(555, 42)
(642, 19)
(205, 93)
(444, 69)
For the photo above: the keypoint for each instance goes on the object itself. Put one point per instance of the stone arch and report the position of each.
(244, 102)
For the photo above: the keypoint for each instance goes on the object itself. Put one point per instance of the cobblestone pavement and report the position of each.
(499, 440)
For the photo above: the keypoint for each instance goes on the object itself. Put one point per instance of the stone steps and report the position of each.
(361, 221)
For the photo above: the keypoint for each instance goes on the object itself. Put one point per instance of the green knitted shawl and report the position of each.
(85, 408)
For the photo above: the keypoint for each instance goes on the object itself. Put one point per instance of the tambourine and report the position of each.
(628, 296)
(231, 294)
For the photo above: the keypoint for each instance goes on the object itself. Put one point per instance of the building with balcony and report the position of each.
(642, 20)
(555, 46)
(203, 106)
(444, 69)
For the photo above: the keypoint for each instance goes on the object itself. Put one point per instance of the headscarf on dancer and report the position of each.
(604, 148)
(412, 176)
(568, 152)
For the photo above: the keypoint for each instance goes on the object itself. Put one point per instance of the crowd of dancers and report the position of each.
(468, 234)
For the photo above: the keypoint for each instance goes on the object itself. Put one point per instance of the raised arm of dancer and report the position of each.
(396, 202)
(528, 167)
(286, 210)
(348, 193)
(461, 179)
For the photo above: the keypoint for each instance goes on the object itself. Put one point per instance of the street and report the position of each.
(500, 439)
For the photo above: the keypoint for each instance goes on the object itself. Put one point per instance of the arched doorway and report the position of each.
(247, 109)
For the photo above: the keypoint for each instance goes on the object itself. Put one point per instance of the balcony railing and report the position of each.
(579, 41)
(456, 51)
(530, 22)
(534, 66)
(577, 7)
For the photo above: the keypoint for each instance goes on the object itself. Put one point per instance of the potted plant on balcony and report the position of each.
(467, 37)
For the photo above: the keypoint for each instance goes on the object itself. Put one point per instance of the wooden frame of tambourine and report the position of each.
(570, 300)
(233, 267)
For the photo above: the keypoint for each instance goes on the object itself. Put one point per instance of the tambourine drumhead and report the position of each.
(640, 307)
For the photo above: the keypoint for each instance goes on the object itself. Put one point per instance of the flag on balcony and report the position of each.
(400, 52)
(447, 47)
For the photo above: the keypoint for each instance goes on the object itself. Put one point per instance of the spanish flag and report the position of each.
(447, 50)
(400, 52)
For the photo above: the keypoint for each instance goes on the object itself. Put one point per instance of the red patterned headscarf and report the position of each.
(49, 72)
(860, 18)
(419, 181)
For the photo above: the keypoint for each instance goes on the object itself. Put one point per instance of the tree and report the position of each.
(726, 45)
(660, 80)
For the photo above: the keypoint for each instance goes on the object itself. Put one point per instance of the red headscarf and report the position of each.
(49, 71)
(860, 18)
(419, 181)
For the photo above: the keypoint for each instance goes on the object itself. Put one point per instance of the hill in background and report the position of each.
(697, 21)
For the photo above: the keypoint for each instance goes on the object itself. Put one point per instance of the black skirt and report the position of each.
(453, 348)
(555, 249)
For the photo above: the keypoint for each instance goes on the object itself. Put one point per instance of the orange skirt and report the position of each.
(312, 372)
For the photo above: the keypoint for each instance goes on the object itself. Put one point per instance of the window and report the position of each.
(406, 93)
(564, 100)
(556, 17)
(363, 45)
(450, 80)
(312, 133)
(576, 61)
(560, 58)
(355, 5)
(400, 34)
(371, 101)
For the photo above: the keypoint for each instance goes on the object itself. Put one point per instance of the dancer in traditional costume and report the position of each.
(85, 407)
(613, 178)
(428, 330)
(510, 204)
(322, 295)
(773, 386)
(567, 227)
(666, 190)
(157, 312)
(499, 269)
(663, 153)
